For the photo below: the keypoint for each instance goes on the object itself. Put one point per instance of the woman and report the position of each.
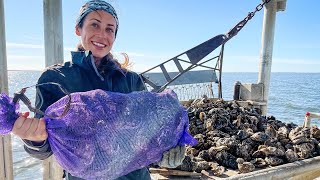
(92, 67)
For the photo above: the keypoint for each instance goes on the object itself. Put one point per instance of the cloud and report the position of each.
(251, 64)
(144, 61)
(69, 49)
(32, 46)
(28, 46)
(302, 46)
(23, 57)
(242, 58)
(275, 60)
(132, 54)
(296, 61)
(23, 62)
(33, 37)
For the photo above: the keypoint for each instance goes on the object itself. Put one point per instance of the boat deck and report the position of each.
(306, 169)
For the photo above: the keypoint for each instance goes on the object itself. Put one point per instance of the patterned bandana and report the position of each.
(95, 5)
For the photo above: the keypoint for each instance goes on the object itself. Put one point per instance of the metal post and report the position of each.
(6, 167)
(53, 38)
(53, 31)
(269, 20)
(236, 90)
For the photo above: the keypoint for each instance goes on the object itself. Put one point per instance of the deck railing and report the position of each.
(308, 117)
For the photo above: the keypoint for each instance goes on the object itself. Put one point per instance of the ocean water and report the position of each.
(291, 96)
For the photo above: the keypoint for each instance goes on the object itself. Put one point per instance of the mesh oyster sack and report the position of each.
(109, 134)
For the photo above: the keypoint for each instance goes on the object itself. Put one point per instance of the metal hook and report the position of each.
(21, 96)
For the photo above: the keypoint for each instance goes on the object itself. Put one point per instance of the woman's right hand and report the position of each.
(31, 129)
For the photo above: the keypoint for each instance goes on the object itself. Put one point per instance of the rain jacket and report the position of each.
(78, 76)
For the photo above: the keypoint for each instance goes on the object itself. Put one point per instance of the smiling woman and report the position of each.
(97, 33)
(92, 67)
(172, 28)
(97, 29)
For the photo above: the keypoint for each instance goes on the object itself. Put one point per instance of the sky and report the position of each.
(153, 31)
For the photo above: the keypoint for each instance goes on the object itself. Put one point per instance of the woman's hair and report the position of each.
(125, 65)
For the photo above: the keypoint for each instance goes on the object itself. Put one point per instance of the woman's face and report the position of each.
(97, 33)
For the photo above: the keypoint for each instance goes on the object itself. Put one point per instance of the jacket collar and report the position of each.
(84, 58)
(81, 58)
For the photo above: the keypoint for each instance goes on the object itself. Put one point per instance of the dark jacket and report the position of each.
(78, 76)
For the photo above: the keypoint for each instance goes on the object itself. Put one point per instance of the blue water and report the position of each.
(291, 96)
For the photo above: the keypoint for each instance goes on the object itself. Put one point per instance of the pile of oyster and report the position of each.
(240, 138)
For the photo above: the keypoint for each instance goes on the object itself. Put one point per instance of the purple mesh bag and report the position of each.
(108, 134)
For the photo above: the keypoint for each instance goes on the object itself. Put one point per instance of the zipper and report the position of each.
(95, 68)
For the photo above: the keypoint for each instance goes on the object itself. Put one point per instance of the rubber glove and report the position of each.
(173, 158)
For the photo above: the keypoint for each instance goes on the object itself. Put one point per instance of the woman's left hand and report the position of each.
(173, 157)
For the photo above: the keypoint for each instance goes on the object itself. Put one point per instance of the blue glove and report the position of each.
(173, 157)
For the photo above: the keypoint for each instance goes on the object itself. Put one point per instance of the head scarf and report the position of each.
(95, 5)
